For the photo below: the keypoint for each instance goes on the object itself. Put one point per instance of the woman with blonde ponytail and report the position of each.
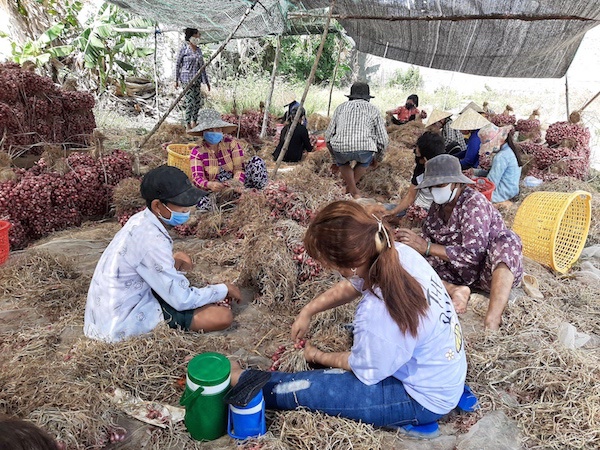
(407, 365)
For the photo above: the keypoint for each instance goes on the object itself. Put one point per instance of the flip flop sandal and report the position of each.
(425, 431)
(532, 287)
(250, 383)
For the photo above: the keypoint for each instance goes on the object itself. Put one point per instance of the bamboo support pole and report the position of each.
(198, 74)
(290, 133)
(156, 99)
(337, 64)
(588, 103)
(263, 130)
(567, 95)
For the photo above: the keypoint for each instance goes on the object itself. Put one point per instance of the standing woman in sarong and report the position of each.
(189, 61)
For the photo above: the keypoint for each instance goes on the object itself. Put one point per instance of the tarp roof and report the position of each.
(502, 38)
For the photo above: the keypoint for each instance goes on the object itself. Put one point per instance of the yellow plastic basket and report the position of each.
(178, 155)
(553, 227)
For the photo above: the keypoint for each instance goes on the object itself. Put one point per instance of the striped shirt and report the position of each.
(205, 163)
(189, 62)
(451, 135)
(357, 126)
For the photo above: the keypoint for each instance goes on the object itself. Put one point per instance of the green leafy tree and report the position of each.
(107, 49)
(107, 45)
(409, 79)
(298, 55)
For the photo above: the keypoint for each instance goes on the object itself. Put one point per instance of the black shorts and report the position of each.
(174, 318)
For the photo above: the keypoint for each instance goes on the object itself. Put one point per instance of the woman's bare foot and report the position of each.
(459, 295)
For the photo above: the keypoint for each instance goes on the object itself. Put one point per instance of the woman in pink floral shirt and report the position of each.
(466, 241)
(219, 157)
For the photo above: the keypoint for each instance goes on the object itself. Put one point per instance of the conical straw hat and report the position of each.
(469, 120)
(474, 106)
(437, 115)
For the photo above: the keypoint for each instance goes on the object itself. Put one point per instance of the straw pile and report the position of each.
(391, 177)
(308, 430)
(49, 282)
(317, 123)
(406, 134)
(550, 390)
(169, 133)
(127, 200)
(319, 162)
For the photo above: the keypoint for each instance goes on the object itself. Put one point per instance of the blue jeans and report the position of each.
(363, 159)
(338, 392)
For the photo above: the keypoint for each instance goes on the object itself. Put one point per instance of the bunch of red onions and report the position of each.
(41, 201)
(286, 204)
(33, 109)
(501, 120)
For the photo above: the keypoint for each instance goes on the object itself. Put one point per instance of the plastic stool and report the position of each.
(468, 401)
(425, 431)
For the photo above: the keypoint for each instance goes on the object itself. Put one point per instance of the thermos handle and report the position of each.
(187, 400)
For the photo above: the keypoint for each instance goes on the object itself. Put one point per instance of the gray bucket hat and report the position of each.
(441, 170)
(209, 118)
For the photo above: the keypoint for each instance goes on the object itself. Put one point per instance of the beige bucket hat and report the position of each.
(209, 118)
(469, 120)
(437, 115)
(474, 106)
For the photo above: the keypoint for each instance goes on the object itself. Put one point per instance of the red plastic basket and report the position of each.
(4, 244)
(485, 186)
(321, 144)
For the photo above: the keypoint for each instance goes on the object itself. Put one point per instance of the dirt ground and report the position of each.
(53, 375)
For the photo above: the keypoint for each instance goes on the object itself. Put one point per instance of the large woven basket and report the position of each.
(553, 227)
(178, 155)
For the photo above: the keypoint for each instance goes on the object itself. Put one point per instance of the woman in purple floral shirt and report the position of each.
(466, 241)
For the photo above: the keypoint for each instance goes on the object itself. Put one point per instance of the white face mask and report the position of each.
(195, 40)
(443, 195)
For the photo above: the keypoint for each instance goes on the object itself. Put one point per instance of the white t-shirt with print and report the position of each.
(432, 366)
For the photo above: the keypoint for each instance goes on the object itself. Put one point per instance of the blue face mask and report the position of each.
(213, 137)
(177, 218)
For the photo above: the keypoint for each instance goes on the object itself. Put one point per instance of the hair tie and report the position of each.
(381, 230)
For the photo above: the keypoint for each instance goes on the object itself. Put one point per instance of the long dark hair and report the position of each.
(189, 32)
(344, 235)
(17, 434)
(516, 148)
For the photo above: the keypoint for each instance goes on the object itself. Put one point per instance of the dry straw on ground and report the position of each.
(312, 430)
(46, 281)
(406, 134)
(266, 264)
(127, 198)
(317, 123)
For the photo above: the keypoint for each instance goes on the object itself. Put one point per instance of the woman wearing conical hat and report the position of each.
(470, 122)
